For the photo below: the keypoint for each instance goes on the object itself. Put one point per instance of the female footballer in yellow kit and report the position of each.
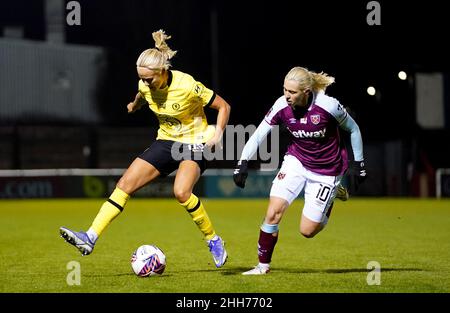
(178, 100)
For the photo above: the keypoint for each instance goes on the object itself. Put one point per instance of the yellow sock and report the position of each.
(198, 213)
(109, 210)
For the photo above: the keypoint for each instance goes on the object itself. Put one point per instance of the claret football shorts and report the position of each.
(320, 190)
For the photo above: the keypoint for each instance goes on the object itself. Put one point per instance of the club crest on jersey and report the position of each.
(280, 175)
(198, 89)
(315, 119)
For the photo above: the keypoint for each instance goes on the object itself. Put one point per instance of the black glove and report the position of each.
(359, 171)
(240, 173)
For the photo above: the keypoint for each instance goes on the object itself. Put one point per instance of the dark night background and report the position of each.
(258, 42)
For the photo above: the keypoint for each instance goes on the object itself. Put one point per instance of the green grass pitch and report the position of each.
(409, 238)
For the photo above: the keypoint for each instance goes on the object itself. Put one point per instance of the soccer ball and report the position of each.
(148, 260)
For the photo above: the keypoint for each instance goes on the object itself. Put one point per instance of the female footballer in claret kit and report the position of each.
(315, 160)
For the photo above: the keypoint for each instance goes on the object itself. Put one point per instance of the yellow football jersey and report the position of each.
(179, 108)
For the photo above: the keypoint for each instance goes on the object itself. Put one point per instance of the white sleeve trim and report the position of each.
(345, 121)
(279, 104)
(332, 106)
(255, 140)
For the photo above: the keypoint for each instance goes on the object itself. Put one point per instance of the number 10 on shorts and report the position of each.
(323, 193)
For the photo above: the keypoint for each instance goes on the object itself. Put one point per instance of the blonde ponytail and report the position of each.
(309, 80)
(160, 38)
(321, 81)
(157, 58)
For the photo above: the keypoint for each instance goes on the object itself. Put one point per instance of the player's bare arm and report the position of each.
(138, 102)
(222, 119)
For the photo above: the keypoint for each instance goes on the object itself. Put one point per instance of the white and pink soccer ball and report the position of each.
(148, 260)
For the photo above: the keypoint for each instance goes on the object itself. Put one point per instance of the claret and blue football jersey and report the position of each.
(315, 135)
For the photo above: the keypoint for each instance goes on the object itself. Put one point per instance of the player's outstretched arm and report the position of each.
(358, 166)
(223, 115)
(240, 172)
(136, 104)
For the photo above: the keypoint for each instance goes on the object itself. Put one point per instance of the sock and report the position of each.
(264, 265)
(266, 245)
(198, 213)
(109, 211)
(93, 236)
(215, 237)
